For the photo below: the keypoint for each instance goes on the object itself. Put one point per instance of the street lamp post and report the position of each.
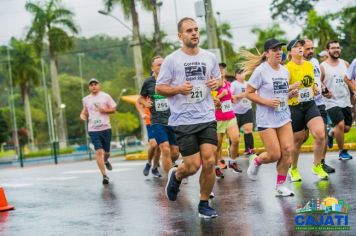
(12, 105)
(221, 39)
(80, 55)
(124, 90)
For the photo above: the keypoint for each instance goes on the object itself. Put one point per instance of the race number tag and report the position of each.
(305, 95)
(161, 104)
(283, 104)
(226, 106)
(197, 94)
(97, 122)
(245, 102)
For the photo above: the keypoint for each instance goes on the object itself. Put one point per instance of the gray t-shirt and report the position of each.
(317, 98)
(243, 104)
(179, 67)
(269, 84)
(351, 71)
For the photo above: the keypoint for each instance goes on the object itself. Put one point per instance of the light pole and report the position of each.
(221, 39)
(124, 90)
(80, 55)
(63, 107)
(12, 104)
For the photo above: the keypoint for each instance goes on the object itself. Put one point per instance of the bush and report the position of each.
(48, 152)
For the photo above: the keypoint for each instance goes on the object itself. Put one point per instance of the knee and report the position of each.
(165, 151)
(235, 141)
(341, 125)
(209, 163)
(287, 151)
(319, 135)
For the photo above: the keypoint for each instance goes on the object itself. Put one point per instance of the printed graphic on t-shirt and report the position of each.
(280, 86)
(195, 71)
(307, 81)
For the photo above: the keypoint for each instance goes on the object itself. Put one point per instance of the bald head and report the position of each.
(308, 49)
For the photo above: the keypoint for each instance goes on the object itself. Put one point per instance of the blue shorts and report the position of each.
(149, 132)
(164, 133)
(101, 139)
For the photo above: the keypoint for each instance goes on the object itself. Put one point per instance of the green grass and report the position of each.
(48, 152)
(7, 153)
(350, 137)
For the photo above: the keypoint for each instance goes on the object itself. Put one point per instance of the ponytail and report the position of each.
(251, 61)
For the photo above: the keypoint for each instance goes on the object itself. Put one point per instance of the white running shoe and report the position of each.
(283, 191)
(185, 180)
(252, 170)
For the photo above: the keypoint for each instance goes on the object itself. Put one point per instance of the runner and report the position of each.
(318, 98)
(187, 76)
(96, 109)
(304, 112)
(153, 152)
(243, 110)
(226, 123)
(350, 78)
(338, 104)
(270, 80)
(160, 113)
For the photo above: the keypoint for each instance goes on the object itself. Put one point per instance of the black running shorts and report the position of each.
(302, 113)
(244, 118)
(338, 114)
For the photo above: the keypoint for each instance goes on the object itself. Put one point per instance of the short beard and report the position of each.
(191, 45)
(334, 57)
(309, 56)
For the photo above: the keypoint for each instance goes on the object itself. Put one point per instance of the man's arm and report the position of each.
(84, 114)
(168, 91)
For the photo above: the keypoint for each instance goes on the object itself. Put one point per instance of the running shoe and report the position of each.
(105, 179)
(329, 132)
(219, 173)
(344, 155)
(146, 170)
(252, 170)
(235, 167)
(249, 152)
(222, 164)
(294, 174)
(318, 170)
(283, 191)
(172, 187)
(328, 169)
(108, 165)
(212, 195)
(156, 173)
(205, 211)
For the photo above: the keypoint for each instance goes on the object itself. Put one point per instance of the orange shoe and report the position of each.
(222, 164)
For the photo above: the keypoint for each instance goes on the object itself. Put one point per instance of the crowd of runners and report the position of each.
(189, 104)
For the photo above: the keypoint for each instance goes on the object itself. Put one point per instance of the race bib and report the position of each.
(283, 104)
(97, 122)
(245, 102)
(305, 94)
(197, 94)
(226, 106)
(161, 104)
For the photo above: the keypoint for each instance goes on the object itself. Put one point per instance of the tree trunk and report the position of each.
(28, 118)
(211, 25)
(137, 53)
(60, 131)
(158, 49)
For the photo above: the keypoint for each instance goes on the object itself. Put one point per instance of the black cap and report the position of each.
(93, 80)
(222, 64)
(292, 43)
(272, 43)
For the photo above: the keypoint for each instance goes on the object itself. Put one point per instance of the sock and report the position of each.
(203, 202)
(281, 179)
(230, 160)
(257, 161)
(322, 161)
(248, 141)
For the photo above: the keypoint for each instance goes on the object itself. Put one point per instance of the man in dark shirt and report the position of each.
(159, 108)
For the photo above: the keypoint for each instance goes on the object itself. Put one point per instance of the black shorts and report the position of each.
(323, 113)
(101, 139)
(338, 114)
(244, 118)
(190, 137)
(302, 113)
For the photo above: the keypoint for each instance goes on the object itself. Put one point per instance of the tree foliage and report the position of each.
(291, 10)
(274, 31)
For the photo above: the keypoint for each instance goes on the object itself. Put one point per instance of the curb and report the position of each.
(308, 148)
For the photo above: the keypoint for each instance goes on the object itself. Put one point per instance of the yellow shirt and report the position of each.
(305, 74)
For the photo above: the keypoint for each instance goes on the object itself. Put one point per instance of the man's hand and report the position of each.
(185, 88)
(316, 90)
(328, 95)
(213, 83)
(293, 93)
(147, 104)
(296, 85)
(144, 116)
(83, 117)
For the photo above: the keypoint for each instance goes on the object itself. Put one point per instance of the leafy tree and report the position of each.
(273, 31)
(52, 24)
(318, 28)
(124, 123)
(4, 129)
(25, 74)
(347, 32)
(293, 11)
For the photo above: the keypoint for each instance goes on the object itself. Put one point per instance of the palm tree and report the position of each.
(26, 74)
(51, 25)
(129, 9)
(153, 5)
(274, 31)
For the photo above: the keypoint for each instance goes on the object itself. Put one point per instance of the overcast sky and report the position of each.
(242, 15)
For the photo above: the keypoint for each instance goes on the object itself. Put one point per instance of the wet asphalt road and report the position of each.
(69, 199)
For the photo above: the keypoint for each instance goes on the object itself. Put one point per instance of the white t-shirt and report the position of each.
(351, 71)
(269, 84)
(97, 120)
(319, 97)
(179, 67)
(242, 105)
(334, 81)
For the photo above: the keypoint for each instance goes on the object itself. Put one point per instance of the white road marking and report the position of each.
(91, 171)
(16, 185)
